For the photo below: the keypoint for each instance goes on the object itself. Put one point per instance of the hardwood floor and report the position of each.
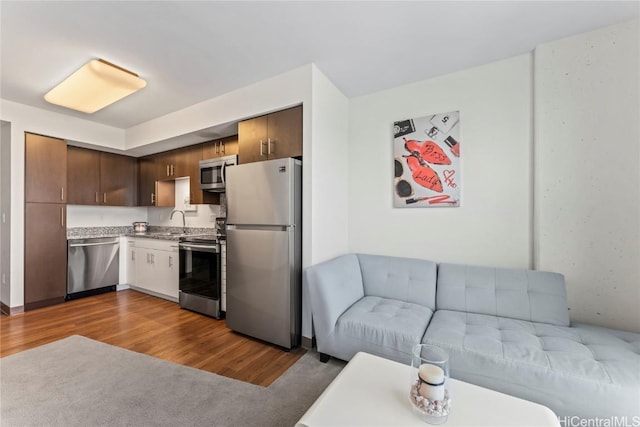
(152, 326)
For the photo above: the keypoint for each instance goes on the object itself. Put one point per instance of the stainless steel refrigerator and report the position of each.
(264, 253)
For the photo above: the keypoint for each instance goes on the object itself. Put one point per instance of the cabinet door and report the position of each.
(230, 145)
(180, 162)
(157, 271)
(45, 169)
(164, 162)
(132, 262)
(166, 273)
(83, 176)
(193, 155)
(285, 133)
(117, 180)
(220, 147)
(212, 149)
(252, 140)
(45, 250)
(147, 181)
(145, 278)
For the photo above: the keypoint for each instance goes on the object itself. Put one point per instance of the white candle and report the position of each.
(432, 382)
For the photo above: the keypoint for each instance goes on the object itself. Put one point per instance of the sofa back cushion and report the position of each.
(536, 296)
(404, 279)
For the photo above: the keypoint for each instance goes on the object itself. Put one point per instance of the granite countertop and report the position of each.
(154, 232)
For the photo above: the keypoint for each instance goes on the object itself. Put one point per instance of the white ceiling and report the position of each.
(192, 51)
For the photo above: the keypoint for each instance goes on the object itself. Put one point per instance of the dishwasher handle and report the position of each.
(80, 245)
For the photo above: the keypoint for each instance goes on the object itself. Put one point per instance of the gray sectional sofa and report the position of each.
(504, 329)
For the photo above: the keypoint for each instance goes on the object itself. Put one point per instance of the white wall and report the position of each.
(329, 196)
(326, 195)
(104, 216)
(587, 156)
(199, 216)
(5, 211)
(284, 90)
(493, 224)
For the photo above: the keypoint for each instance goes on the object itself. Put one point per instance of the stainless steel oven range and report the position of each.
(199, 285)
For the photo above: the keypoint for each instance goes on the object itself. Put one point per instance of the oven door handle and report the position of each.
(199, 248)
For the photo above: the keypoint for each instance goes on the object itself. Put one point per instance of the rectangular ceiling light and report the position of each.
(94, 86)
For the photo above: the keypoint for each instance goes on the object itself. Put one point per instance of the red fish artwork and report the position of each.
(429, 151)
(423, 174)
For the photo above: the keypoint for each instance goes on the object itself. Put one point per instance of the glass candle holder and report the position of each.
(429, 393)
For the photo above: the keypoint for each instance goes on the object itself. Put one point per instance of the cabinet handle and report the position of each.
(269, 147)
(133, 255)
(61, 193)
(170, 261)
(104, 198)
(148, 258)
(221, 147)
(97, 201)
(167, 170)
(153, 199)
(172, 172)
(215, 148)
(261, 149)
(62, 216)
(153, 261)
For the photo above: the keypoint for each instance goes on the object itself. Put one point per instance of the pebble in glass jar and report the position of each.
(429, 391)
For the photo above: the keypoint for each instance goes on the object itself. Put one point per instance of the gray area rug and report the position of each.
(81, 382)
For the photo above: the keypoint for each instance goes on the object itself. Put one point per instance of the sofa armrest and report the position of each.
(333, 286)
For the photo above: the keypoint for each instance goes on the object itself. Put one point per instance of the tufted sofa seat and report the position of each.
(380, 305)
(582, 369)
(504, 329)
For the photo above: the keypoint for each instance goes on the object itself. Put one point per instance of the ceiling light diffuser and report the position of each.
(94, 86)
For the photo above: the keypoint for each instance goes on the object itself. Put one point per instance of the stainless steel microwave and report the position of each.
(212, 172)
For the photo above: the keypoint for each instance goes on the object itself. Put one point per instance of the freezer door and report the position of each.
(262, 193)
(260, 285)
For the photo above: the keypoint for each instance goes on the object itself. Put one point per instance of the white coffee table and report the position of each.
(372, 391)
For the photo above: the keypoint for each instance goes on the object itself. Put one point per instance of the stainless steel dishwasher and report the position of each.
(93, 266)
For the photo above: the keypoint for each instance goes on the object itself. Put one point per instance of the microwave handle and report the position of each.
(223, 172)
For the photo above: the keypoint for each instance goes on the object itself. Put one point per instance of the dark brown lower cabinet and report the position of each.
(45, 249)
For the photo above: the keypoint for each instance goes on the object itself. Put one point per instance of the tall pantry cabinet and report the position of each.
(45, 243)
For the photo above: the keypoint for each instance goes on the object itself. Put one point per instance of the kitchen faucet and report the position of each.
(184, 227)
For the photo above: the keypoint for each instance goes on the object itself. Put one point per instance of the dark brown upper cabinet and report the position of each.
(45, 169)
(83, 175)
(117, 180)
(272, 136)
(100, 178)
(172, 164)
(147, 193)
(220, 147)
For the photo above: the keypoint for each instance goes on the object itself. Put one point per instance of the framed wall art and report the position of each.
(426, 153)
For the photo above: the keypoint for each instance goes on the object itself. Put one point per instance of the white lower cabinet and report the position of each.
(154, 267)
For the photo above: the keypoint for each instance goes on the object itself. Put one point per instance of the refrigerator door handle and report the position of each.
(260, 227)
